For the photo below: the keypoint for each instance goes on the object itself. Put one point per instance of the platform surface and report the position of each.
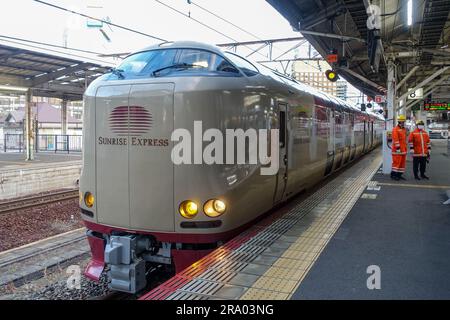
(405, 231)
(16, 160)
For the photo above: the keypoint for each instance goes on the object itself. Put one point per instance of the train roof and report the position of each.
(184, 45)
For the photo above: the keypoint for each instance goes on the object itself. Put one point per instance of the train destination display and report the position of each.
(436, 106)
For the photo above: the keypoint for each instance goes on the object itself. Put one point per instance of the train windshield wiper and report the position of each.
(117, 72)
(176, 66)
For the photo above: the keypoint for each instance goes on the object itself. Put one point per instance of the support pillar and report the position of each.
(391, 116)
(64, 117)
(422, 115)
(29, 132)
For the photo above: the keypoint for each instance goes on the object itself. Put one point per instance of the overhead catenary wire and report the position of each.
(100, 20)
(196, 20)
(236, 26)
(231, 23)
(146, 34)
(223, 19)
(203, 24)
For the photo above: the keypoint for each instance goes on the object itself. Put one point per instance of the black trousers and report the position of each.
(419, 163)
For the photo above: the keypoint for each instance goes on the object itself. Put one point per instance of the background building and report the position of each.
(312, 72)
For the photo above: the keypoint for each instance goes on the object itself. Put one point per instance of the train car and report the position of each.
(141, 209)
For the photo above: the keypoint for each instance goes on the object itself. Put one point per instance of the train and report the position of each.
(142, 209)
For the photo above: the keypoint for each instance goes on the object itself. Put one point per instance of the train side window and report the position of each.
(247, 68)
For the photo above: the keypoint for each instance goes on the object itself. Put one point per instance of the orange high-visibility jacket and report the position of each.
(419, 141)
(399, 141)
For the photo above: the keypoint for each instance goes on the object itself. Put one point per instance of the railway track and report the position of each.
(47, 249)
(31, 261)
(29, 202)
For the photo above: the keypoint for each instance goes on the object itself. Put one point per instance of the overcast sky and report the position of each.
(32, 20)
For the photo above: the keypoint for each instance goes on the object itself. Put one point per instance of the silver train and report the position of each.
(142, 210)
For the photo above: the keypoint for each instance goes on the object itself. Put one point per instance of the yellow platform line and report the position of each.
(425, 186)
(283, 278)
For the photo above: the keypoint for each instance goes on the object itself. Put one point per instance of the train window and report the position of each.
(205, 61)
(143, 63)
(247, 68)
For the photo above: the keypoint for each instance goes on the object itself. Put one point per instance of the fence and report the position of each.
(44, 143)
(13, 142)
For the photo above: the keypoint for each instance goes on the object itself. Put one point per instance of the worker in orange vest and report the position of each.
(399, 149)
(419, 147)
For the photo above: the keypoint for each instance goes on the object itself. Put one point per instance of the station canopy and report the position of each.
(419, 50)
(48, 75)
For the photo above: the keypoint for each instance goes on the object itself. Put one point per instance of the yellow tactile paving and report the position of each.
(260, 294)
(275, 284)
(310, 241)
(286, 274)
(292, 264)
(283, 273)
(299, 255)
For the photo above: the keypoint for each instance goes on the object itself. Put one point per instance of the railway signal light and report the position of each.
(332, 75)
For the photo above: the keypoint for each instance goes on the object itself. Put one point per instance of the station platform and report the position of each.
(47, 172)
(16, 160)
(320, 245)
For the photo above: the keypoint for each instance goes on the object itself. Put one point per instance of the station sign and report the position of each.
(436, 106)
(416, 95)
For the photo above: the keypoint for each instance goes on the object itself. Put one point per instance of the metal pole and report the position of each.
(29, 136)
(64, 117)
(390, 119)
(36, 123)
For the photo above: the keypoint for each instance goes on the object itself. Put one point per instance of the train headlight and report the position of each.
(89, 199)
(214, 208)
(188, 209)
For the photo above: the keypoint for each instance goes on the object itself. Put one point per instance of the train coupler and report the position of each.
(127, 269)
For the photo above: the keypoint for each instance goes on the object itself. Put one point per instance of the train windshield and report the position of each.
(144, 63)
(205, 61)
(159, 63)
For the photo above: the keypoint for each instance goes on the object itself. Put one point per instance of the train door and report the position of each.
(352, 136)
(331, 147)
(111, 130)
(347, 139)
(372, 139)
(364, 136)
(282, 175)
(150, 170)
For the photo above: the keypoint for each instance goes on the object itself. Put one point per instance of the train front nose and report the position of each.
(134, 171)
